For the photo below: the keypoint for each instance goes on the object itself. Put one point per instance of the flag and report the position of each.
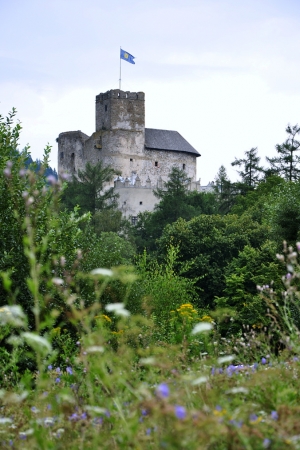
(127, 56)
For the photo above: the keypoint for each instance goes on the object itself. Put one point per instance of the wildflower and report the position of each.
(266, 443)
(98, 420)
(263, 361)
(254, 419)
(274, 415)
(180, 412)
(51, 179)
(58, 370)
(83, 416)
(236, 423)
(57, 380)
(73, 417)
(50, 367)
(163, 390)
(69, 370)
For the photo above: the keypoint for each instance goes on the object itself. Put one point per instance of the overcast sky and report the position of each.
(223, 73)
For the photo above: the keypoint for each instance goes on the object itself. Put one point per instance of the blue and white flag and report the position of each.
(127, 56)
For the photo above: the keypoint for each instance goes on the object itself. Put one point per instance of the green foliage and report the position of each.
(175, 202)
(208, 244)
(226, 192)
(282, 212)
(251, 268)
(87, 190)
(286, 164)
(250, 174)
(164, 290)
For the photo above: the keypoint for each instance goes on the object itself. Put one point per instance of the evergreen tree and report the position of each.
(225, 191)
(287, 163)
(87, 190)
(250, 174)
(172, 197)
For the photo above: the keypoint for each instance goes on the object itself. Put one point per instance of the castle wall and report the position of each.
(134, 200)
(71, 151)
(166, 160)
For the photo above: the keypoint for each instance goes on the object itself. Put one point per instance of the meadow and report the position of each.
(99, 353)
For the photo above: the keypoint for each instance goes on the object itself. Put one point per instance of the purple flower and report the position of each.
(98, 420)
(52, 179)
(263, 361)
(69, 370)
(83, 416)
(253, 417)
(163, 390)
(274, 415)
(57, 380)
(50, 367)
(218, 408)
(58, 370)
(74, 417)
(236, 423)
(180, 412)
(266, 443)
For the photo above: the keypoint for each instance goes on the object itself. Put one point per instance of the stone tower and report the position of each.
(120, 129)
(144, 156)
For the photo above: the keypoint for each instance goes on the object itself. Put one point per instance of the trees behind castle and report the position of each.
(88, 191)
(286, 164)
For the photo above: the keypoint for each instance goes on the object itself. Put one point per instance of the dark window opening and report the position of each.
(183, 166)
(141, 203)
(134, 220)
(156, 163)
(61, 155)
(124, 203)
(131, 159)
(105, 108)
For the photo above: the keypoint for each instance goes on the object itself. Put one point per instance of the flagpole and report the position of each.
(120, 71)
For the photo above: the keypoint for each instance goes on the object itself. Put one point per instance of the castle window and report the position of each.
(105, 108)
(141, 203)
(134, 220)
(124, 203)
(183, 166)
(156, 164)
(131, 159)
(61, 155)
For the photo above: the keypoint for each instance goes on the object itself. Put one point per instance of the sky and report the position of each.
(223, 73)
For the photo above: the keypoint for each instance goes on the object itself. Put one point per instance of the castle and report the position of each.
(144, 156)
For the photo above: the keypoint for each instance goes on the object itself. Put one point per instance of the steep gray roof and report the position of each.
(167, 140)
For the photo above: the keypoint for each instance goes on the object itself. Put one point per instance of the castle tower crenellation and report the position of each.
(118, 109)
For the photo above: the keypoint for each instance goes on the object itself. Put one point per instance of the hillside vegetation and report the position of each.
(181, 332)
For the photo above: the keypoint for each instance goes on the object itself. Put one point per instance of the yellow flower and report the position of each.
(56, 330)
(206, 318)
